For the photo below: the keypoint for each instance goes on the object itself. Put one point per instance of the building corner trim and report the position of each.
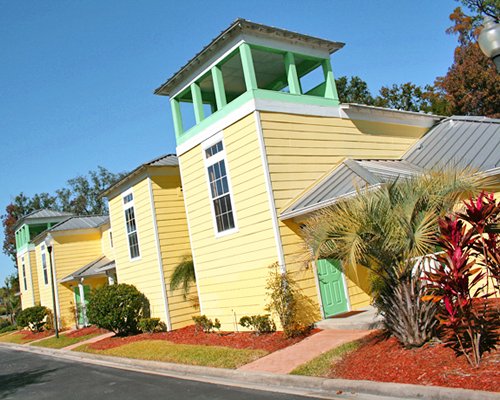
(270, 195)
(158, 254)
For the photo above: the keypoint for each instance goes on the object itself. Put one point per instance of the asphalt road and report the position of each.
(27, 376)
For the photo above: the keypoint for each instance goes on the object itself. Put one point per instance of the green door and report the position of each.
(81, 310)
(331, 287)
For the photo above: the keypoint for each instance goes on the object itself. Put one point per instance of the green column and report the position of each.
(176, 116)
(197, 102)
(291, 74)
(220, 94)
(330, 87)
(248, 67)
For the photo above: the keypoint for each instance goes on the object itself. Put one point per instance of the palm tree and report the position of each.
(183, 275)
(389, 230)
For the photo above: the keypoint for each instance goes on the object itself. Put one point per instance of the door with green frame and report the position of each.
(332, 287)
(81, 308)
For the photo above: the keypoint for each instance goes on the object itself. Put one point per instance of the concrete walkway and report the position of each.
(286, 360)
(88, 341)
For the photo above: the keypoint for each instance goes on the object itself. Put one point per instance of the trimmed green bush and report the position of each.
(33, 318)
(8, 328)
(258, 323)
(201, 322)
(118, 308)
(150, 325)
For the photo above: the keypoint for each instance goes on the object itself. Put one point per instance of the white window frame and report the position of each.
(45, 271)
(23, 264)
(209, 161)
(125, 207)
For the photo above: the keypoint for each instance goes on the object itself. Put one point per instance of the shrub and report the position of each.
(149, 325)
(285, 299)
(258, 323)
(33, 318)
(456, 281)
(117, 308)
(205, 324)
(8, 328)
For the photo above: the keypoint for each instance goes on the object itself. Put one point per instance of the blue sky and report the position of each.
(76, 78)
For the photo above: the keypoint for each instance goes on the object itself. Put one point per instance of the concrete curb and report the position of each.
(305, 386)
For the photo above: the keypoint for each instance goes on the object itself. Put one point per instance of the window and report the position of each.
(44, 265)
(131, 226)
(219, 187)
(24, 274)
(111, 239)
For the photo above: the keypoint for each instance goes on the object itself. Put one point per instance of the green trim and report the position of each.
(330, 87)
(291, 74)
(248, 67)
(254, 94)
(218, 80)
(318, 90)
(197, 102)
(294, 98)
(177, 117)
(229, 108)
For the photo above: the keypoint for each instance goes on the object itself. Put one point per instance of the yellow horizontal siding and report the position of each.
(231, 270)
(107, 250)
(27, 295)
(34, 276)
(70, 254)
(174, 243)
(300, 149)
(144, 272)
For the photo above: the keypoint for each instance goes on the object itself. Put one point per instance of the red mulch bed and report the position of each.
(384, 360)
(28, 335)
(90, 330)
(238, 340)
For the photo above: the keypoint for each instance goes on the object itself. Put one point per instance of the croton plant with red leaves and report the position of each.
(470, 253)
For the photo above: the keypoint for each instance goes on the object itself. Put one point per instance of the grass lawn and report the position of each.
(63, 341)
(321, 366)
(162, 350)
(7, 333)
(17, 338)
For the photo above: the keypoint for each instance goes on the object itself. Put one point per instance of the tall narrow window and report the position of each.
(24, 274)
(131, 226)
(111, 239)
(44, 265)
(222, 204)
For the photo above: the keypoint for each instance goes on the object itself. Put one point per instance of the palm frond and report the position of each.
(183, 276)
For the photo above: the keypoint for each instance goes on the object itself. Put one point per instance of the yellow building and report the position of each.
(79, 252)
(25, 230)
(267, 125)
(151, 237)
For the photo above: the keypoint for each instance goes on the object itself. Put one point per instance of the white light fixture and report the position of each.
(489, 40)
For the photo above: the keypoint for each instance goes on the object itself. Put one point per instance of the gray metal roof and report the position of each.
(459, 141)
(166, 160)
(95, 268)
(463, 141)
(239, 26)
(83, 222)
(43, 215)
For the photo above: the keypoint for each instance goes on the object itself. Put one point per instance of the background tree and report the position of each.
(81, 196)
(10, 296)
(472, 84)
(353, 90)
